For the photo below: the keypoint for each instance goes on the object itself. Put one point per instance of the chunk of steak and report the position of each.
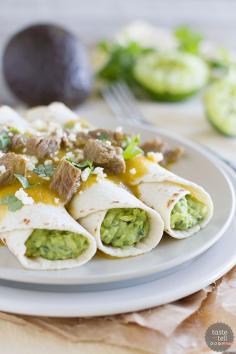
(18, 141)
(43, 147)
(171, 156)
(81, 139)
(12, 163)
(154, 145)
(105, 155)
(65, 180)
(116, 138)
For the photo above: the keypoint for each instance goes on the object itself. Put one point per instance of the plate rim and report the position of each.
(150, 271)
(138, 303)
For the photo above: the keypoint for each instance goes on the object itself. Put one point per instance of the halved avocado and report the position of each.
(45, 63)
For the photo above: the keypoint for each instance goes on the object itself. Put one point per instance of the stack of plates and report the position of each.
(176, 268)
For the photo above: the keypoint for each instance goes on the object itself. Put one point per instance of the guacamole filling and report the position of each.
(187, 213)
(124, 227)
(55, 244)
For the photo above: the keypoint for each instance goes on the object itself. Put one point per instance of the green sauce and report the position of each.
(55, 245)
(124, 227)
(187, 213)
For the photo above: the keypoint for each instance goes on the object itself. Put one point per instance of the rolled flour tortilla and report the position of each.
(11, 118)
(55, 111)
(91, 205)
(16, 228)
(161, 189)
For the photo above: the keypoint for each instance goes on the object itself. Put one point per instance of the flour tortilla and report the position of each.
(161, 190)
(10, 118)
(91, 206)
(16, 227)
(55, 111)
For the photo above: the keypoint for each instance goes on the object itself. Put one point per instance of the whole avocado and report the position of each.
(45, 63)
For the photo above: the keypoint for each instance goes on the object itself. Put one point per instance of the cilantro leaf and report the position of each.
(81, 165)
(5, 140)
(132, 148)
(103, 137)
(23, 180)
(121, 61)
(189, 40)
(44, 170)
(12, 202)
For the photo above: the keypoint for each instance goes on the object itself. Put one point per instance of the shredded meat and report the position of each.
(65, 180)
(104, 155)
(13, 163)
(172, 156)
(43, 147)
(154, 145)
(81, 139)
(116, 138)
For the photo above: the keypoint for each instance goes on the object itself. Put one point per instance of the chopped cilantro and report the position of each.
(189, 40)
(132, 148)
(44, 170)
(103, 137)
(5, 140)
(12, 202)
(81, 165)
(23, 180)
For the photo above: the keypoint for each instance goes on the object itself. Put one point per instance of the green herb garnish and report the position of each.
(103, 137)
(23, 180)
(81, 165)
(5, 140)
(121, 61)
(12, 202)
(189, 40)
(44, 170)
(132, 148)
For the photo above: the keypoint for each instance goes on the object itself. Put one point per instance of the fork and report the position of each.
(122, 103)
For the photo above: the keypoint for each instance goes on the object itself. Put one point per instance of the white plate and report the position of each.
(70, 302)
(199, 166)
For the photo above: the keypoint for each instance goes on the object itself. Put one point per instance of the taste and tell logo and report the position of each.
(219, 337)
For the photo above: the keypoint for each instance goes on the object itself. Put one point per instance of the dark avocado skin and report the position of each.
(45, 63)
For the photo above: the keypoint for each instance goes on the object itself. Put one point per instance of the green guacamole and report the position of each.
(55, 245)
(123, 227)
(187, 213)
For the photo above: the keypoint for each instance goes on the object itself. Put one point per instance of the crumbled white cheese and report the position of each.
(99, 171)
(23, 197)
(108, 142)
(79, 153)
(77, 127)
(119, 129)
(55, 159)
(132, 171)
(2, 169)
(56, 200)
(69, 155)
(156, 156)
(72, 137)
(31, 161)
(85, 174)
(1, 154)
(48, 162)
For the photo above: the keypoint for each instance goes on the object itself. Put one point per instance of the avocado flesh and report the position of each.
(187, 213)
(124, 227)
(55, 244)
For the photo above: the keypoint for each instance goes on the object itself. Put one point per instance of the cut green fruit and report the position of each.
(124, 227)
(171, 76)
(55, 244)
(220, 106)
